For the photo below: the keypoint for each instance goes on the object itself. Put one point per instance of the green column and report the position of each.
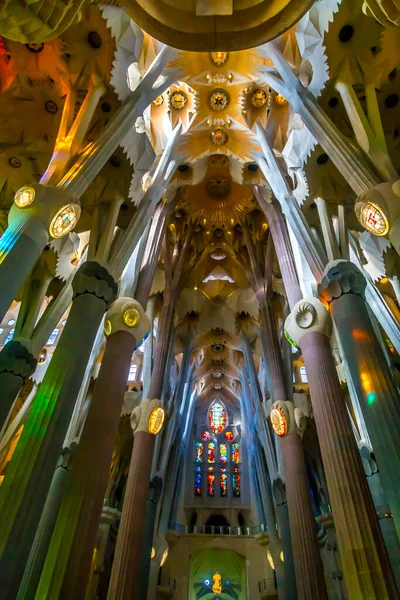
(343, 290)
(29, 474)
(17, 363)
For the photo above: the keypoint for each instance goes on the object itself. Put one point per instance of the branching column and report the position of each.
(66, 570)
(308, 565)
(289, 424)
(29, 474)
(365, 563)
(125, 581)
(343, 290)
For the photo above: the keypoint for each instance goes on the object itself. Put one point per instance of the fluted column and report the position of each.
(29, 474)
(46, 525)
(29, 230)
(17, 364)
(125, 582)
(343, 290)
(366, 567)
(289, 424)
(66, 570)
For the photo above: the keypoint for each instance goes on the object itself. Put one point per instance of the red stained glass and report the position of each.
(205, 436)
(229, 435)
(223, 485)
(211, 482)
(211, 452)
(235, 453)
(217, 417)
(223, 453)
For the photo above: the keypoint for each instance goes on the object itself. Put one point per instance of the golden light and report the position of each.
(278, 422)
(159, 100)
(164, 557)
(42, 357)
(178, 100)
(270, 560)
(153, 553)
(131, 317)
(156, 420)
(64, 221)
(279, 99)
(219, 99)
(24, 196)
(259, 98)
(219, 58)
(282, 557)
(218, 136)
(107, 327)
(372, 218)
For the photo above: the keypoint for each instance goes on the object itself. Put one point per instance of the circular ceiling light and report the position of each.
(178, 99)
(24, 196)
(219, 58)
(259, 98)
(219, 99)
(65, 220)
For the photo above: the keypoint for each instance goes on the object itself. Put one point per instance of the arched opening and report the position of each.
(217, 520)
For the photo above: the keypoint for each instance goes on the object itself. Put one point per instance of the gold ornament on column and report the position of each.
(24, 196)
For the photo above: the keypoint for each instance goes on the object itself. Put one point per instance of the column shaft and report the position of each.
(307, 559)
(376, 390)
(20, 246)
(363, 554)
(29, 474)
(67, 567)
(16, 365)
(124, 583)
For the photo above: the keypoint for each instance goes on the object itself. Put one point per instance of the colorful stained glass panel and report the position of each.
(211, 452)
(223, 453)
(229, 435)
(199, 452)
(223, 485)
(206, 435)
(236, 482)
(210, 482)
(235, 454)
(217, 417)
(197, 481)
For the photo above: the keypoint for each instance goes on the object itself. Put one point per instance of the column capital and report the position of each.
(17, 358)
(308, 315)
(66, 457)
(93, 278)
(56, 208)
(341, 277)
(127, 314)
(148, 417)
(286, 418)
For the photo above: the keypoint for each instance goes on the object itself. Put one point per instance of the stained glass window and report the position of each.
(52, 337)
(205, 436)
(223, 484)
(199, 452)
(9, 337)
(197, 481)
(223, 453)
(217, 417)
(210, 481)
(235, 454)
(236, 482)
(303, 375)
(211, 452)
(229, 435)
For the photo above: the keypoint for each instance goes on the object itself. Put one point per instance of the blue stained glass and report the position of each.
(197, 481)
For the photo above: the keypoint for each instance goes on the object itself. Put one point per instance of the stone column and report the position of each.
(364, 557)
(29, 474)
(343, 290)
(152, 501)
(125, 575)
(46, 525)
(289, 424)
(29, 229)
(66, 570)
(17, 364)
